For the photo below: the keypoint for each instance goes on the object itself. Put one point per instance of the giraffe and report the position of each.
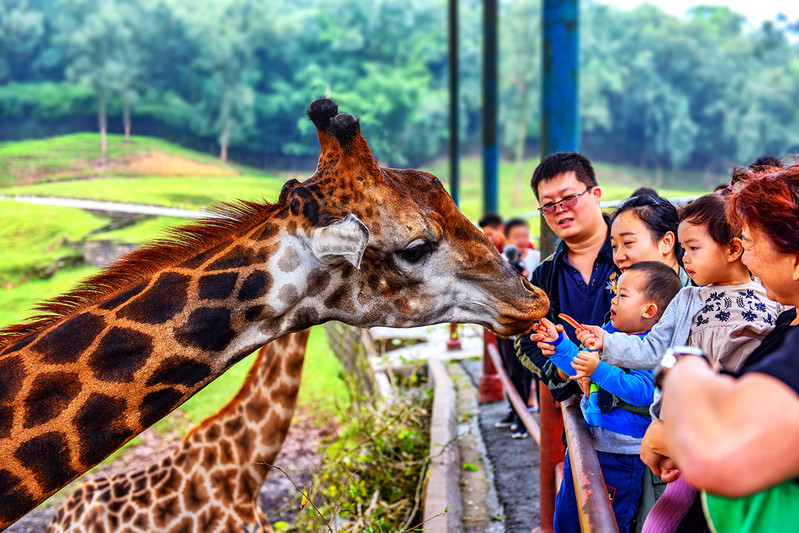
(211, 482)
(355, 242)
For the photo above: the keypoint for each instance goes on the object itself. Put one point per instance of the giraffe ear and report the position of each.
(344, 239)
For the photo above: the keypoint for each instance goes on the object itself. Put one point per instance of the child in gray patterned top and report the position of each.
(726, 316)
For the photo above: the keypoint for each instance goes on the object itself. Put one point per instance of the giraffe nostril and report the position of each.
(527, 285)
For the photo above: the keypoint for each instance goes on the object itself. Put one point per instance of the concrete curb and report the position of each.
(442, 489)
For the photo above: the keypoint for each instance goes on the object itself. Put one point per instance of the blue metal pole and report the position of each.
(490, 86)
(559, 132)
(560, 124)
(559, 118)
(454, 178)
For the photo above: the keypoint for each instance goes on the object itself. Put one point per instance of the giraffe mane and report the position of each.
(179, 244)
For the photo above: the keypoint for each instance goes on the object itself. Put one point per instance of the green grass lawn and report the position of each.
(37, 235)
(170, 191)
(71, 156)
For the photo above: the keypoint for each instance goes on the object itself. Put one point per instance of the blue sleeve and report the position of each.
(565, 350)
(636, 388)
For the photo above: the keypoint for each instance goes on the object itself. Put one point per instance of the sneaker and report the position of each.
(507, 421)
(518, 431)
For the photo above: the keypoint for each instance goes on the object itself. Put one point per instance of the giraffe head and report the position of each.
(404, 253)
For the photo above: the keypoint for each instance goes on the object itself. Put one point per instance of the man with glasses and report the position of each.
(579, 277)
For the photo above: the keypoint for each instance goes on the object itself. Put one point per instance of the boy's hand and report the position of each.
(591, 337)
(545, 334)
(668, 470)
(585, 364)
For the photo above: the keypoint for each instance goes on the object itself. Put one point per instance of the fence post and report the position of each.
(453, 343)
(490, 386)
(552, 452)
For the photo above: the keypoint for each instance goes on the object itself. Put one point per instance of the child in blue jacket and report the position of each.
(617, 401)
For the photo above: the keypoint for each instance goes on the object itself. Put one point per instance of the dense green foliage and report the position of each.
(656, 90)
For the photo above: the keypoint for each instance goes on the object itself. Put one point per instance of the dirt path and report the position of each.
(514, 463)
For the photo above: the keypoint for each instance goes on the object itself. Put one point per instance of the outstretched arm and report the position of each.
(718, 428)
(644, 353)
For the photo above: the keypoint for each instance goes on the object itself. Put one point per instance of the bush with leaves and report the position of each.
(372, 475)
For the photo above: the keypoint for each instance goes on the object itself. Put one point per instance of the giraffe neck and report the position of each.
(248, 432)
(75, 391)
(217, 470)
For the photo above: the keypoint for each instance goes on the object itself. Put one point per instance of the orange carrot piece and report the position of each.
(570, 320)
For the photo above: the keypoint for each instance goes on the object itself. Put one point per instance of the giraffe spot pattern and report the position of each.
(318, 279)
(221, 481)
(210, 518)
(201, 258)
(254, 312)
(288, 294)
(12, 373)
(179, 371)
(70, 339)
(209, 457)
(207, 328)
(128, 513)
(49, 394)
(14, 499)
(237, 257)
(305, 318)
(166, 298)
(268, 231)
(255, 285)
(340, 299)
(165, 511)
(101, 427)
(125, 296)
(142, 522)
(6, 419)
(248, 485)
(289, 261)
(196, 495)
(157, 404)
(170, 485)
(186, 525)
(120, 353)
(47, 457)
(21, 343)
(217, 286)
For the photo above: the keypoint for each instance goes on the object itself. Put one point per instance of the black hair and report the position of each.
(644, 191)
(709, 211)
(491, 220)
(657, 214)
(562, 162)
(514, 222)
(661, 285)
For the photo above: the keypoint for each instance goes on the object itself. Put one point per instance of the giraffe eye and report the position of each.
(416, 252)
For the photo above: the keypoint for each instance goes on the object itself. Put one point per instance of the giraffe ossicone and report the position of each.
(356, 242)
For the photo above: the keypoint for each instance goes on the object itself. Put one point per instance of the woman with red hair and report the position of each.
(736, 437)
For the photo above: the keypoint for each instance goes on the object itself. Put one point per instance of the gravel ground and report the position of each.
(514, 463)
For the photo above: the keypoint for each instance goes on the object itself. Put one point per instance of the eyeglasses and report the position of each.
(567, 203)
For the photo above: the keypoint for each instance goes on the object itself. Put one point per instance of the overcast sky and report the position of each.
(755, 10)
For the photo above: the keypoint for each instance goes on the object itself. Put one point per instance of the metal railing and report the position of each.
(596, 511)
